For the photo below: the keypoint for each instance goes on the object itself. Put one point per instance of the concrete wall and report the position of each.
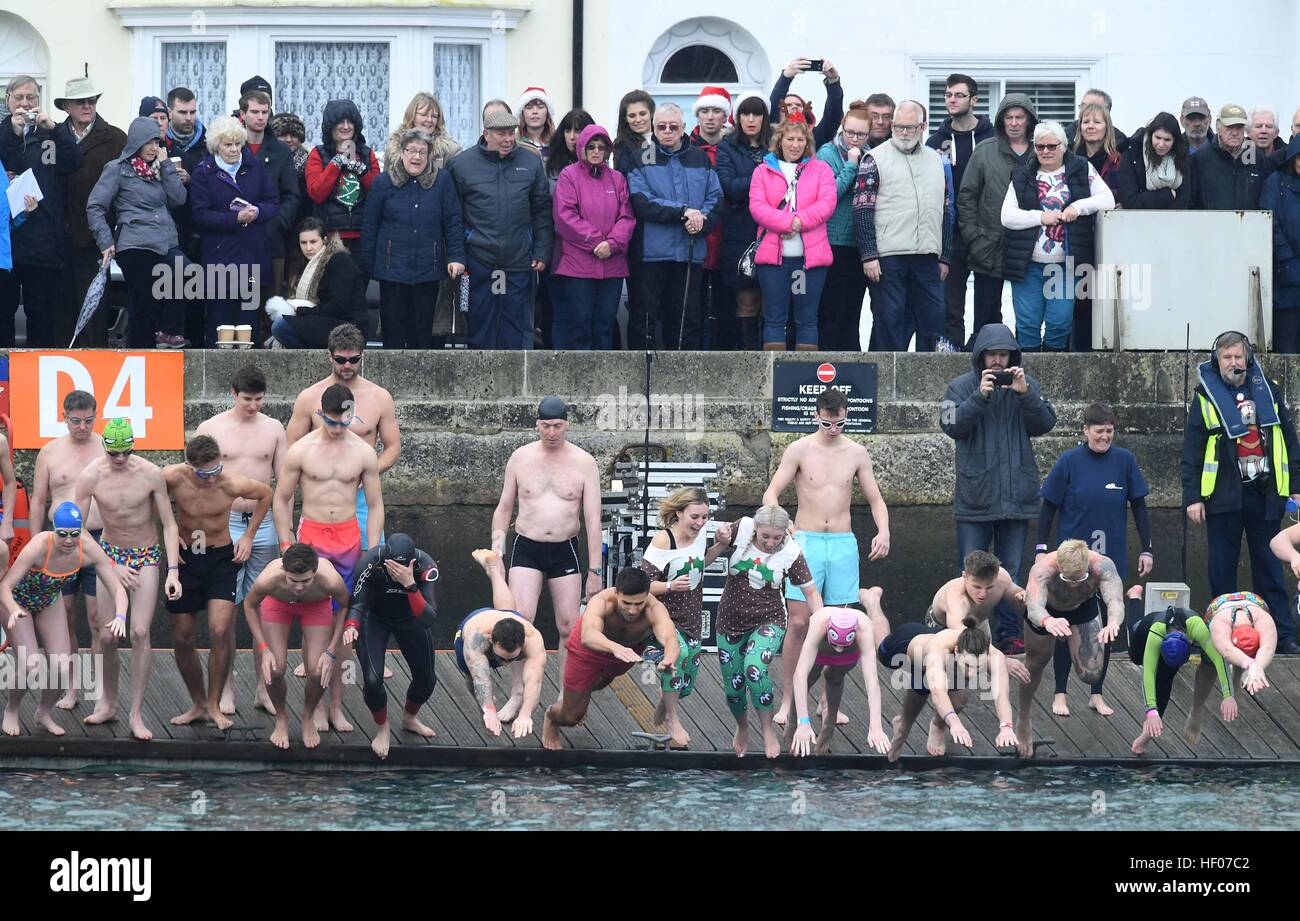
(462, 413)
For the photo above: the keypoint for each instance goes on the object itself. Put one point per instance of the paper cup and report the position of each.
(225, 334)
(243, 334)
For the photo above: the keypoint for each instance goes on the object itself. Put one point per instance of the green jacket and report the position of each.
(984, 187)
(840, 227)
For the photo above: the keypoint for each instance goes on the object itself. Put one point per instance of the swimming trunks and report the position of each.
(587, 670)
(458, 644)
(363, 518)
(307, 613)
(40, 588)
(833, 560)
(1085, 613)
(134, 557)
(85, 582)
(554, 560)
(339, 543)
(207, 576)
(892, 652)
(264, 549)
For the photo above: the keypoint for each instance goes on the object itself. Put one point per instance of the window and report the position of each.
(1054, 99)
(699, 64)
(201, 67)
(310, 74)
(456, 83)
(23, 51)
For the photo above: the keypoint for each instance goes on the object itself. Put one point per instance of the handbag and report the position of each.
(748, 265)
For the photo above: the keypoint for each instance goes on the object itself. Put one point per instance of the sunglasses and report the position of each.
(1046, 147)
(332, 423)
(832, 425)
(60, 532)
(341, 360)
(209, 474)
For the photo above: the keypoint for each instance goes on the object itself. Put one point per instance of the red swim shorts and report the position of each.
(339, 543)
(585, 669)
(307, 613)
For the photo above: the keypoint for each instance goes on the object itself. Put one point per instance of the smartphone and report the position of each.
(1003, 378)
(816, 65)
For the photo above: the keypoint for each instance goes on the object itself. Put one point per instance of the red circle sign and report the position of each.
(826, 373)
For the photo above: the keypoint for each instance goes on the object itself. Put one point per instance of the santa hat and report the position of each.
(535, 93)
(742, 98)
(713, 97)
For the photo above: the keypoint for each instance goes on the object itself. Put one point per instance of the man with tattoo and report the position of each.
(607, 641)
(394, 597)
(1066, 592)
(976, 593)
(492, 637)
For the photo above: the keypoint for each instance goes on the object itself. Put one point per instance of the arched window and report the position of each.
(23, 51)
(699, 64)
(701, 52)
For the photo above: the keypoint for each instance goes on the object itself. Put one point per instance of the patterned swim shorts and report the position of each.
(134, 557)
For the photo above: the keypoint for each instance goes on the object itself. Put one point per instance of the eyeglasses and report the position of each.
(1046, 147)
(333, 423)
(882, 119)
(209, 474)
(341, 360)
(906, 129)
(416, 152)
(855, 135)
(73, 420)
(956, 95)
(17, 98)
(65, 534)
(826, 424)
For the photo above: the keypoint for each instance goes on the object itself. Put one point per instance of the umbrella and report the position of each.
(94, 294)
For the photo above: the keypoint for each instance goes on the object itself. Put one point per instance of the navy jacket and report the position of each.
(52, 156)
(278, 160)
(412, 227)
(505, 207)
(1281, 195)
(739, 229)
(661, 194)
(222, 239)
(1217, 182)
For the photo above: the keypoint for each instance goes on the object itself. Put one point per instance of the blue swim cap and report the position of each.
(1176, 649)
(67, 515)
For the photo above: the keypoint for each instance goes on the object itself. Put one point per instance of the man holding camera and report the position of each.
(991, 413)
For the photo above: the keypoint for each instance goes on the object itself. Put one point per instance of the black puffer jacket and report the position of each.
(1018, 245)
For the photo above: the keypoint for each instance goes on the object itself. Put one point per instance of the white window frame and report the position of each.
(1086, 71)
(752, 66)
(250, 36)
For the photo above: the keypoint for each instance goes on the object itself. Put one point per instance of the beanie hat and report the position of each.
(535, 93)
(256, 83)
(151, 104)
(712, 97)
(288, 123)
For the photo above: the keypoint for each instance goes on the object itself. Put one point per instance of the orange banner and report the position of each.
(148, 388)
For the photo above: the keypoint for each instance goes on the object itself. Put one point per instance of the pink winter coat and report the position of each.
(589, 210)
(815, 200)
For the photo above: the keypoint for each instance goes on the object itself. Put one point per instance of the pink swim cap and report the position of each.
(842, 628)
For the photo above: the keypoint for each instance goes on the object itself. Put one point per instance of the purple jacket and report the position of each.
(223, 240)
(588, 211)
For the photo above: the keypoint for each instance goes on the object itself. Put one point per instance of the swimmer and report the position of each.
(1245, 635)
(976, 593)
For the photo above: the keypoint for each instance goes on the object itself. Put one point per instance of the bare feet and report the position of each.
(310, 737)
(339, 721)
(486, 558)
(1139, 746)
(300, 671)
(680, 737)
(1098, 703)
(897, 742)
(388, 673)
(68, 701)
(1025, 737)
(1192, 731)
(101, 715)
(508, 713)
(824, 743)
(660, 713)
(782, 716)
(937, 742)
(262, 701)
(771, 740)
(1061, 705)
(138, 729)
(320, 719)
(46, 722)
(551, 738)
(740, 741)
(197, 713)
(280, 737)
(219, 719)
(841, 718)
(11, 724)
(228, 700)
(379, 745)
(411, 724)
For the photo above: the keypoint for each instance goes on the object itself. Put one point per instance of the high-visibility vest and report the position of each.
(1210, 468)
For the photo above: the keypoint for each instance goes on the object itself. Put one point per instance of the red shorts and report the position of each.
(307, 613)
(585, 669)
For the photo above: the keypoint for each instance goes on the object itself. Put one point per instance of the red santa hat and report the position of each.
(535, 93)
(712, 97)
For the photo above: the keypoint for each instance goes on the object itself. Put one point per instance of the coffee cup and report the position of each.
(244, 334)
(225, 335)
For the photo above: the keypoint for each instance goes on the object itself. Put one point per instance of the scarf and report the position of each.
(1164, 175)
(186, 140)
(1225, 402)
(149, 172)
(300, 159)
(309, 284)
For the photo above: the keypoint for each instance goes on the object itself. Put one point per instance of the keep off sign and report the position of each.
(148, 388)
(796, 386)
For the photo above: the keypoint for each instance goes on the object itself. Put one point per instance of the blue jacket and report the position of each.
(6, 254)
(739, 229)
(1281, 195)
(412, 227)
(661, 194)
(222, 239)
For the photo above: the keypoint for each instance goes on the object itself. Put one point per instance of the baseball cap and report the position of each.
(1233, 114)
(1195, 105)
(118, 437)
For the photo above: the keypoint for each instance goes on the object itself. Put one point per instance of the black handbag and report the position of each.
(748, 265)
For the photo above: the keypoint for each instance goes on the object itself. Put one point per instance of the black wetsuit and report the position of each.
(381, 608)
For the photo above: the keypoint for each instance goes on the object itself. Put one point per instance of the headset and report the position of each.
(1250, 348)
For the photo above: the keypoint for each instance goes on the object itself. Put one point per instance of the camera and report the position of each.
(815, 66)
(1003, 378)
(31, 117)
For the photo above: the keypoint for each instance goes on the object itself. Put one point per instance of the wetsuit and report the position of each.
(1157, 675)
(382, 609)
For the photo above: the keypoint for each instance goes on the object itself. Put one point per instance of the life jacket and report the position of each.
(1210, 468)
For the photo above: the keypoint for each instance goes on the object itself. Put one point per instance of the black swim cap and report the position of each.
(399, 548)
(552, 408)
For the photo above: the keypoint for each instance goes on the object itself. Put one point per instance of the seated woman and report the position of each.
(330, 292)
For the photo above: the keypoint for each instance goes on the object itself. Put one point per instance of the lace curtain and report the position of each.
(310, 74)
(456, 84)
(201, 66)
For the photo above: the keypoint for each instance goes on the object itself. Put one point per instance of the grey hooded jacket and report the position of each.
(140, 206)
(997, 476)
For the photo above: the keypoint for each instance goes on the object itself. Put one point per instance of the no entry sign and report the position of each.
(797, 384)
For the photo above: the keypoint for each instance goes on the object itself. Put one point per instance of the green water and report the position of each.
(1033, 799)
